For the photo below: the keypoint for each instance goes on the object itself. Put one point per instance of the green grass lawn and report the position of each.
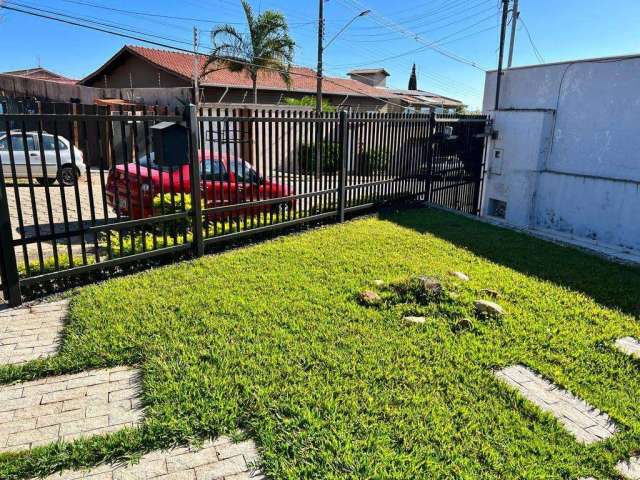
(271, 338)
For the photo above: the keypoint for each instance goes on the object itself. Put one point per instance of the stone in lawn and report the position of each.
(490, 293)
(418, 320)
(369, 298)
(463, 324)
(489, 308)
(430, 285)
(378, 283)
(460, 276)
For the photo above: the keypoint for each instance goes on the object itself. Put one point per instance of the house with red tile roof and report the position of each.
(143, 67)
(39, 73)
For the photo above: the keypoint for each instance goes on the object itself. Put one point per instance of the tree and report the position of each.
(266, 46)
(413, 79)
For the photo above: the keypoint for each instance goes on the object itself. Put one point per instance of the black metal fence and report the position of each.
(90, 191)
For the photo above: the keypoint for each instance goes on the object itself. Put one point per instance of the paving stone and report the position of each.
(67, 407)
(30, 333)
(630, 469)
(629, 345)
(181, 463)
(585, 422)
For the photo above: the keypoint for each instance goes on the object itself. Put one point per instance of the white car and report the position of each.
(71, 167)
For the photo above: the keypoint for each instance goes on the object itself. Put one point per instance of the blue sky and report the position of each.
(561, 30)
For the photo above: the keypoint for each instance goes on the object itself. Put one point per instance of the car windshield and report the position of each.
(244, 172)
(49, 143)
(213, 170)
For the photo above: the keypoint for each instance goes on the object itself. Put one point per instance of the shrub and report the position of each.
(168, 204)
(420, 289)
(309, 101)
(329, 161)
(374, 160)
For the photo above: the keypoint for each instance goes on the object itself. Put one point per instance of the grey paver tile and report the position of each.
(56, 409)
(28, 333)
(629, 345)
(585, 422)
(181, 463)
(629, 469)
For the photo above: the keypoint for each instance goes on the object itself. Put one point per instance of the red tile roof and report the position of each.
(302, 79)
(39, 73)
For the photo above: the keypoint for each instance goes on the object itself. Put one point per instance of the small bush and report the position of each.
(421, 289)
(168, 204)
(330, 157)
(309, 101)
(374, 160)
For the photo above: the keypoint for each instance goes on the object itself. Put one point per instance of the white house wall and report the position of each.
(571, 139)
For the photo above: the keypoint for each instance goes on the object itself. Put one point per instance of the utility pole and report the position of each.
(515, 13)
(503, 32)
(196, 68)
(320, 52)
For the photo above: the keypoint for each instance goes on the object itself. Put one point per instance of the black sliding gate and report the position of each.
(94, 190)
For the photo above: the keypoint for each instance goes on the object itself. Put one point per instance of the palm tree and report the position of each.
(266, 46)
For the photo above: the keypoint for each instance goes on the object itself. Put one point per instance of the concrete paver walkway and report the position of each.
(585, 422)
(630, 469)
(29, 333)
(66, 407)
(629, 345)
(216, 460)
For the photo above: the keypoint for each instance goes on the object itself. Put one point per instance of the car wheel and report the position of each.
(45, 181)
(68, 175)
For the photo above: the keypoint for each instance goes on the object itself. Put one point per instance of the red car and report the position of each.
(225, 182)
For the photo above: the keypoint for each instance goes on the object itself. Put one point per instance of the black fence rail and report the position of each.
(97, 189)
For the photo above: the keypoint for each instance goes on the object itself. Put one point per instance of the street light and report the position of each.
(322, 47)
(361, 14)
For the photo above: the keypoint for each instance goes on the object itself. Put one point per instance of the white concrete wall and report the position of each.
(570, 135)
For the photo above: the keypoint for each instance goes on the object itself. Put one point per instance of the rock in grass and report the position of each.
(418, 320)
(430, 286)
(463, 324)
(489, 308)
(490, 293)
(460, 276)
(369, 298)
(378, 283)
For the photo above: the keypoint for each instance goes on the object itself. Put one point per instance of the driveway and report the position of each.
(51, 206)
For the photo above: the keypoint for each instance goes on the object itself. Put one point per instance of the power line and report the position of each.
(104, 24)
(454, 86)
(533, 45)
(191, 52)
(378, 38)
(390, 24)
(467, 9)
(433, 15)
(158, 15)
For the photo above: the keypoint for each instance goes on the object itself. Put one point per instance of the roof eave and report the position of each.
(297, 90)
(122, 51)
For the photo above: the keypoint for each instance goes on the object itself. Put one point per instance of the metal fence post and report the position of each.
(194, 177)
(10, 277)
(343, 130)
(432, 128)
